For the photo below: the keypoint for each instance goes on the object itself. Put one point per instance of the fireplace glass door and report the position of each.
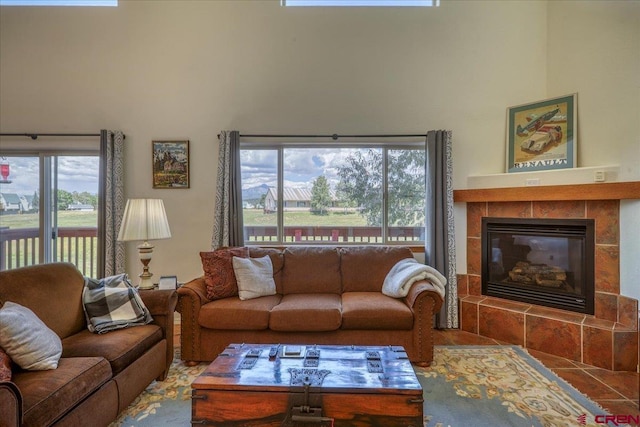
(547, 262)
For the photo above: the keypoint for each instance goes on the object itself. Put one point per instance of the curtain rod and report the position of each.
(35, 136)
(335, 136)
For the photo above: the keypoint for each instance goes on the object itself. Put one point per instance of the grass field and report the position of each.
(65, 219)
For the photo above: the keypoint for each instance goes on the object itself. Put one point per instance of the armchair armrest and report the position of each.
(162, 305)
(10, 405)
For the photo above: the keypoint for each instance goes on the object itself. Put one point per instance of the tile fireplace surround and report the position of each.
(607, 339)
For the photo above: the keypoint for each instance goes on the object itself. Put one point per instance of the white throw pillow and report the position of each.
(254, 276)
(27, 340)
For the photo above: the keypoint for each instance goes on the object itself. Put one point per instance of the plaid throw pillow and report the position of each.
(113, 303)
(218, 271)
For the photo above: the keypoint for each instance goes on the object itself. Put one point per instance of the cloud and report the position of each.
(75, 173)
(301, 166)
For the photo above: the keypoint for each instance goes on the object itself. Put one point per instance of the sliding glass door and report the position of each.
(48, 210)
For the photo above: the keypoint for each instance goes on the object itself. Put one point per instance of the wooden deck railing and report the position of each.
(19, 247)
(364, 235)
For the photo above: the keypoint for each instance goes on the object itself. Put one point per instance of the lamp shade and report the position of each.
(144, 219)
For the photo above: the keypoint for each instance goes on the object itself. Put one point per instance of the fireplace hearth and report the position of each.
(548, 262)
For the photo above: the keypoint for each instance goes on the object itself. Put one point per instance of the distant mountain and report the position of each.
(254, 193)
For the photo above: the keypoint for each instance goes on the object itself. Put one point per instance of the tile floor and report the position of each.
(617, 392)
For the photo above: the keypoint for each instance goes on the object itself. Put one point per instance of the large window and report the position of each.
(49, 210)
(361, 194)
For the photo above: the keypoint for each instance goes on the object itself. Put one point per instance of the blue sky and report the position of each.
(75, 173)
(301, 166)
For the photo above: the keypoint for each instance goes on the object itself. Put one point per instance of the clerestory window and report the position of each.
(333, 194)
(58, 2)
(369, 3)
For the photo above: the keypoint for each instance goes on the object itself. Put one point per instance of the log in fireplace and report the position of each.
(542, 261)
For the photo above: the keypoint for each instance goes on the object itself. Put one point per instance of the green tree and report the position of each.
(86, 198)
(406, 187)
(320, 195)
(361, 183)
(36, 201)
(64, 199)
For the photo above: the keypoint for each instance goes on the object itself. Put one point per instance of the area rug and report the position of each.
(465, 386)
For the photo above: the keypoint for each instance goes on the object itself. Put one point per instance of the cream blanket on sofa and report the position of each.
(408, 271)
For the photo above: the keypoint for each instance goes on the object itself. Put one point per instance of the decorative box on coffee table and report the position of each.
(289, 385)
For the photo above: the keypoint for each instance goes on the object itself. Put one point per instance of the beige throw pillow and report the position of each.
(254, 276)
(27, 340)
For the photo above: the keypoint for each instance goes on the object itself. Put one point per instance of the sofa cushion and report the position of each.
(254, 276)
(48, 395)
(311, 269)
(307, 312)
(364, 268)
(27, 340)
(373, 310)
(232, 313)
(218, 271)
(120, 347)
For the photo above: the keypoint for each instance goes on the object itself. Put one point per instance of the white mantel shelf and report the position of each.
(601, 191)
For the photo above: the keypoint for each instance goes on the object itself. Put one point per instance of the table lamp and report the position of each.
(144, 220)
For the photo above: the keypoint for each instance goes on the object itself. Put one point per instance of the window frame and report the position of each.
(280, 148)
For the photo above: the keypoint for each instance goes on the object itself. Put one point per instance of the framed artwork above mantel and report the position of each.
(542, 135)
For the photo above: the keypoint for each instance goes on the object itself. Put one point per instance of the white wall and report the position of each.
(188, 69)
(593, 49)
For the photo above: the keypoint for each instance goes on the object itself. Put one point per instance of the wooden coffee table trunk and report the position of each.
(308, 385)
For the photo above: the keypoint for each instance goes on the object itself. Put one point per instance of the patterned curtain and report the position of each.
(227, 222)
(439, 229)
(111, 256)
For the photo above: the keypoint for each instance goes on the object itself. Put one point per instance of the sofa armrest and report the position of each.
(162, 305)
(160, 302)
(423, 289)
(196, 290)
(191, 296)
(424, 301)
(10, 405)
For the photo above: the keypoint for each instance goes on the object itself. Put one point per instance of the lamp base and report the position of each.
(145, 282)
(145, 251)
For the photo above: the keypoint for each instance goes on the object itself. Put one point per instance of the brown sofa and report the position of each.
(97, 376)
(325, 295)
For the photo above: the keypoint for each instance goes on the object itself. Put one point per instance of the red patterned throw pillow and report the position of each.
(5, 366)
(218, 271)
